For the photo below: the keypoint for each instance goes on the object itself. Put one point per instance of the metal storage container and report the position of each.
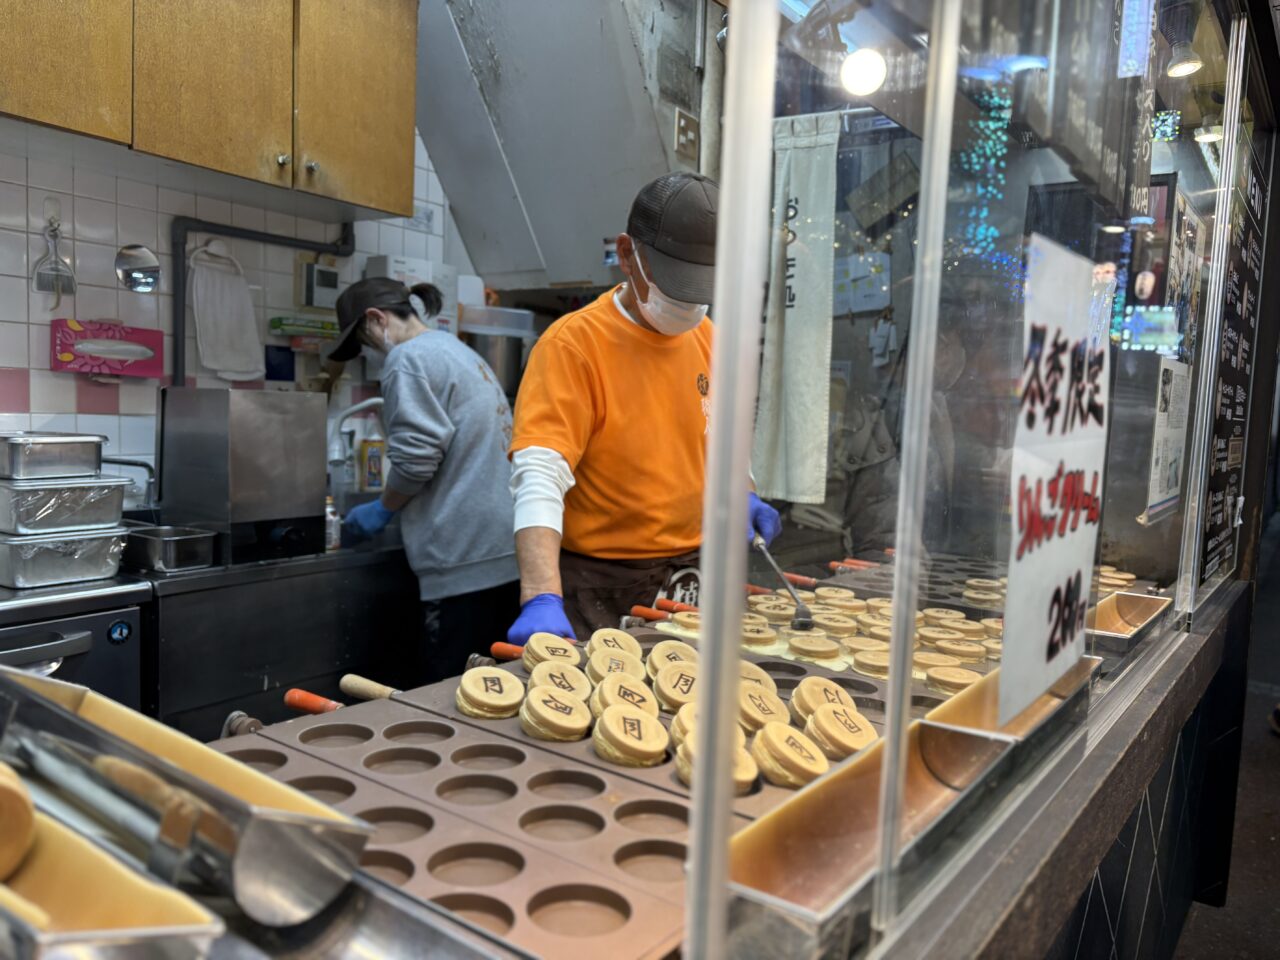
(168, 549)
(55, 505)
(55, 558)
(28, 454)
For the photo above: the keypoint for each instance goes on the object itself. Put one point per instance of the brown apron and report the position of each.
(599, 593)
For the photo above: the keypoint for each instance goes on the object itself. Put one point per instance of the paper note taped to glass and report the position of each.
(103, 348)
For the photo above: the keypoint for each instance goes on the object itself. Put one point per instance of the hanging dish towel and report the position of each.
(789, 459)
(226, 323)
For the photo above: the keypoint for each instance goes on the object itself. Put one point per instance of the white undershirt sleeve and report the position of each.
(540, 478)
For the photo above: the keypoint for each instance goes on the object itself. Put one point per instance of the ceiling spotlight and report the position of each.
(863, 72)
(1113, 228)
(1185, 61)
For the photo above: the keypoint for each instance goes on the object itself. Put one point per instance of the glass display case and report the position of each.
(1012, 256)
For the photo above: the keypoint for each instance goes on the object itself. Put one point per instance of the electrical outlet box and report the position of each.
(688, 137)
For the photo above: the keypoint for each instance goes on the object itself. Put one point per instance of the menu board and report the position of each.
(1223, 497)
(1055, 486)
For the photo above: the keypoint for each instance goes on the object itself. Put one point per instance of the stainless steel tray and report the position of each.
(28, 454)
(168, 549)
(56, 558)
(194, 817)
(61, 504)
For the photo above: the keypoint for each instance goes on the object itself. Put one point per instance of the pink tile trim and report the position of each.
(95, 397)
(15, 390)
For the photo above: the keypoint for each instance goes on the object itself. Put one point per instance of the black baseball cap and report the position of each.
(381, 292)
(674, 217)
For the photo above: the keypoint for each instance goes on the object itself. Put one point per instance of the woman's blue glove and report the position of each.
(543, 614)
(366, 520)
(763, 519)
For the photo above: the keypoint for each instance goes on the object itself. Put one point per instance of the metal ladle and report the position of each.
(803, 620)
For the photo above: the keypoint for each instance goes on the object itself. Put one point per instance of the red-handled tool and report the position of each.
(754, 591)
(505, 651)
(859, 564)
(304, 701)
(671, 606)
(795, 579)
(648, 613)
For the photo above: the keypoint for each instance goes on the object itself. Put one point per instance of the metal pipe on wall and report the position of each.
(742, 234)
(344, 246)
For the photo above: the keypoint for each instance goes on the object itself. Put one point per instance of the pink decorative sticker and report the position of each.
(104, 348)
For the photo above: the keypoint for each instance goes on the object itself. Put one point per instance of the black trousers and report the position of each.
(456, 627)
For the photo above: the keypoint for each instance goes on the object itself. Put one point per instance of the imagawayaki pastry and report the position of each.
(839, 731)
(549, 714)
(547, 646)
(611, 638)
(757, 706)
(629, 737)
(562, 677)
(488, 693)
(604, 662)
(786, 757)
(811, 692)
(675, 685)
(623, 688)
(872, 663)
(685, 723)
(951, 680)
(666, 652)
(966, 651)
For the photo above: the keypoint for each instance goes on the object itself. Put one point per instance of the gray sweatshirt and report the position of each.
(448, 429)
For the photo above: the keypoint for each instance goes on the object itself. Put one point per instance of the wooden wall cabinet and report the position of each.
(354, 88)
(213, 85)
(66, 63)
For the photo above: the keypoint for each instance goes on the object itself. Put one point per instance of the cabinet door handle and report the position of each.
(312, 166)
(282, 159)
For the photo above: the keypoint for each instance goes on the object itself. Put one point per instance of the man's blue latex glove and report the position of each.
(543, 614)
(762, 519)
(366, 520)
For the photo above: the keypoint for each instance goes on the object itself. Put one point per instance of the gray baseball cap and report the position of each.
(674, 217)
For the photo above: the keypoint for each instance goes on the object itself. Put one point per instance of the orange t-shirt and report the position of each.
(628, 410)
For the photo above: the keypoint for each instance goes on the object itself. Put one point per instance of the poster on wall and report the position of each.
(1055, 486)
(1168, 441)
(1223, 500)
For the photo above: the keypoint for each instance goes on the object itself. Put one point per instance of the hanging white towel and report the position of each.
(226, 323)
(789, 459)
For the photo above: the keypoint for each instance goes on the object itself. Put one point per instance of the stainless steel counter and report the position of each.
(212, 578)
(51, 603)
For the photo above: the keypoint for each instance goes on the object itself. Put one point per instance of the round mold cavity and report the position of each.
(856, 687)
(485, 912)
(566, 785)
(475, 865)
(333, 735)
(488, 756)
(262, 760)
(870, 705)
(654, 861)
(324, 789)
(401, 761)
(476, 790)
(562, 823)
(393, 868)
(579, 910)
(781, 668)
(786, 684)
(397, 824)
(653, 816)
(921, 704)
(417, 732)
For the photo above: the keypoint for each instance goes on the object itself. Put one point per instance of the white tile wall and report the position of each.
(99, 212)
(107, 426)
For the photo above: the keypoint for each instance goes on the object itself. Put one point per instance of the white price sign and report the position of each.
(1058, 457)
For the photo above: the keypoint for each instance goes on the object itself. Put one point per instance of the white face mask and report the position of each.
(665, 314)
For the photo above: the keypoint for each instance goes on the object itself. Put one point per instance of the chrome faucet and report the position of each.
(149, 491)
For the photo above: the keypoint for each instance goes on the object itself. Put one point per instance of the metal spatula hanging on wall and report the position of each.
(52, 274)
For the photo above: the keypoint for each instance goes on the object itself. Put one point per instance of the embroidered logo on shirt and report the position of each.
(704, 385)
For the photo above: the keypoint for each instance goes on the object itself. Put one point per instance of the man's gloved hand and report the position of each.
(366, 520)
(543, 614)
(762, 519)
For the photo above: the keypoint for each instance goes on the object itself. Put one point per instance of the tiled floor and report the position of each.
(1248, 927)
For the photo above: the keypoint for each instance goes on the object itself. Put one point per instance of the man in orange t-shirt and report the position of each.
(609, 444)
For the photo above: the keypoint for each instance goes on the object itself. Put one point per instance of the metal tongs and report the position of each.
(803, 620)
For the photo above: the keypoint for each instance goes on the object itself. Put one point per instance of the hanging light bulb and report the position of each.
(863, 71)
(1184, 62)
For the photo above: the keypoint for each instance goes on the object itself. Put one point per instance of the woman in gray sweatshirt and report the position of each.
(448, 427)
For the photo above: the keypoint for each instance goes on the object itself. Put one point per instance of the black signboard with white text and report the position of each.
(1235, 369)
